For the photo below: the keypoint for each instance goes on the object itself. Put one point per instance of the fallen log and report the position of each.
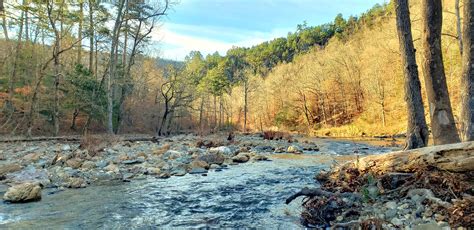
(453, 157)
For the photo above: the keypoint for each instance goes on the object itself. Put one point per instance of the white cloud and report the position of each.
(176, 45)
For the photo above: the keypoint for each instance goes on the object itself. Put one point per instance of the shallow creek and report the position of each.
(247, 195)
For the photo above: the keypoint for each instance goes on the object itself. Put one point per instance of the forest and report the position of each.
(66, 70)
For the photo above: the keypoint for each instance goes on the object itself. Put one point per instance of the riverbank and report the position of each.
(428, 188)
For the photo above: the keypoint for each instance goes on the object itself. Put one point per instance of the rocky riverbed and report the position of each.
(182, 180)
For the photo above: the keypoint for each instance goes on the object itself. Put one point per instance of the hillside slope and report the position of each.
(348, 88)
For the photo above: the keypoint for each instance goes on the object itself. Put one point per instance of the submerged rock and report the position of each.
(23, 193)
(76, 182)
(198, 171)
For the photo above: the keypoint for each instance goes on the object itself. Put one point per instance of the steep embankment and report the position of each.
(353, 86)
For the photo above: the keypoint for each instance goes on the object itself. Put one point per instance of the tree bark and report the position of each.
(458, 25)
(91, 37)
(442, 120)
(113, 67)
(417, 130)
(467, 81)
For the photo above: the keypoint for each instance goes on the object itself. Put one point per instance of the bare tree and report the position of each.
(4, 20)
(467, 81)
(417, 132)
(442, 120)
(113, 66)
(458, 25)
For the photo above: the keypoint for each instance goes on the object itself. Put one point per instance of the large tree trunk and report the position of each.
(467, 81)
(417, 131)
(442, 119)
(113, 67)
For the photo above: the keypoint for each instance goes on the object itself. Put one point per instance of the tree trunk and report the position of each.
(91, 37)
(4, 20)
(417, 130)
(79, 32)
(442, 119)
(467, 81)
(458, 25)
(113, 67)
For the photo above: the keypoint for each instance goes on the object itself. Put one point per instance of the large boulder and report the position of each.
(23, 193)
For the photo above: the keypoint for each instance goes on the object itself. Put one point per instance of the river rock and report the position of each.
(172, 154)
(259, 157)
(294, 149)
(74, 163)
(240, 158)
(178, 172)
(214, 166)
(9, 168)
(31, 157)
(212, 158)
(23, 193)
(76, 182)
(199, 164)
(88, 165)
(198, 170)
(153, 171)
(112, 168)
(66, 148)
(226, 151)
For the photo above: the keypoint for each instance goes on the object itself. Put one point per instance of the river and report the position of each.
(247, 195)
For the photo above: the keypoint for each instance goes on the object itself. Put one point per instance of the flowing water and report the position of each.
(248, 195)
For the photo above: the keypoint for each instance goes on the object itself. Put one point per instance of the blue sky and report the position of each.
(217, 25)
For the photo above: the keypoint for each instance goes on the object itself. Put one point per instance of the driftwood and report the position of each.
(75, 139)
